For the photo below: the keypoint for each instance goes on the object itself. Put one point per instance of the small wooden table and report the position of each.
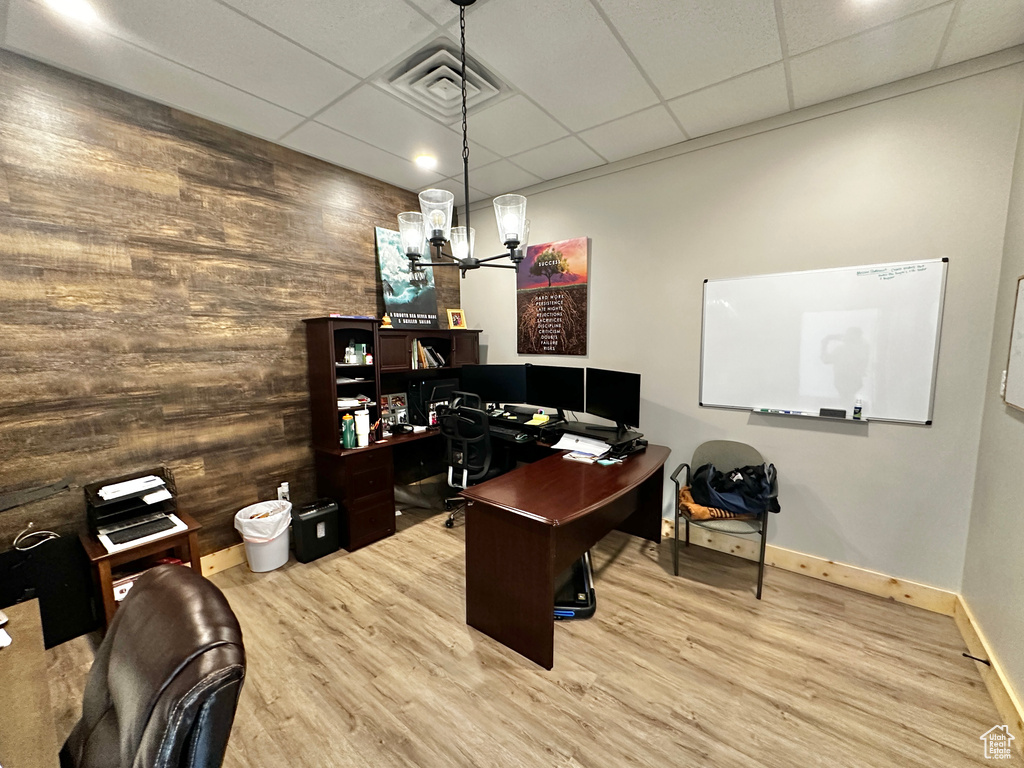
(184, 544)
(28, 738)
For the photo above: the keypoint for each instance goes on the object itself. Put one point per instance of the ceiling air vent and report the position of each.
(430, 80)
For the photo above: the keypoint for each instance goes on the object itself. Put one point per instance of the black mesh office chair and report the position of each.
(469, 449)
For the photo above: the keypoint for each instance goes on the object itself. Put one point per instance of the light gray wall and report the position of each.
(923, 175)
(994, 569)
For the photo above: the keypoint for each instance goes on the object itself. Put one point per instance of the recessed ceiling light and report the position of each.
(77, 10)
(428, 162)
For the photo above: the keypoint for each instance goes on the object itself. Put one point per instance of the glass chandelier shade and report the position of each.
(462, 243)
(436, 206)
(510, 211)
(411, 226)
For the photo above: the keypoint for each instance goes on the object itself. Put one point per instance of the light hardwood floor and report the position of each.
(364, 659)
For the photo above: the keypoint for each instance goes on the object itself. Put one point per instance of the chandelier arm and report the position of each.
(465, 129)
(499, 266)
(440, 263)
(494, 258)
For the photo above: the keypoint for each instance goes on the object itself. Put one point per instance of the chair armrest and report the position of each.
(675, 478)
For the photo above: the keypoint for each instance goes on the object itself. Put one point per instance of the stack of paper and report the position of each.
(116, 491)
(585, 446)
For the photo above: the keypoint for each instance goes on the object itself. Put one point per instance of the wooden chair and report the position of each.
(725, 455)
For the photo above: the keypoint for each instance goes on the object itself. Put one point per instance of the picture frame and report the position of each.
(1013, 392)
(457, 319)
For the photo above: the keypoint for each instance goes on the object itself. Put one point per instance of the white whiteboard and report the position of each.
(803, 341)
(1013, 394)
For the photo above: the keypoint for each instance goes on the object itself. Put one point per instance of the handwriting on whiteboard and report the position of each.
(891, 273)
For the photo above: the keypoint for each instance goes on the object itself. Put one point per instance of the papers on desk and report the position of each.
(584, 446)
(5, 639)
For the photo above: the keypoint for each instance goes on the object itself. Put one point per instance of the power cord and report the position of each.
(30, 539)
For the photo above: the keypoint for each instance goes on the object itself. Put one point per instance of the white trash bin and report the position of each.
(265, 528)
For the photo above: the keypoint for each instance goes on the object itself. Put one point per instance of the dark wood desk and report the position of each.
(525, 527)
(28, 738)
(362, 481)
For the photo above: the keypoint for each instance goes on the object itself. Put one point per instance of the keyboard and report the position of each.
(133, 532)
(514, 435)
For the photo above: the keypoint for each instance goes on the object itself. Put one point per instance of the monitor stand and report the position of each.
(617, 435)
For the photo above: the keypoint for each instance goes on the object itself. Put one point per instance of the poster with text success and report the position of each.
(551, 298)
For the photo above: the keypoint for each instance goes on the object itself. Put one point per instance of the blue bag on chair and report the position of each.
(750, 490)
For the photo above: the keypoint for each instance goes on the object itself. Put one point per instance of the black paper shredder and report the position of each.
(315, 530)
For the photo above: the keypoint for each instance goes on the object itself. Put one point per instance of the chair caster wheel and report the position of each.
(448, 506)
(449, 523)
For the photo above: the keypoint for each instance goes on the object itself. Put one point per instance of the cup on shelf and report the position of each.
(362, 428)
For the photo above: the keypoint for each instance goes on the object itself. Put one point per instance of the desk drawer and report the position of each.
(371, 518)
(373, 458)
(369, 483)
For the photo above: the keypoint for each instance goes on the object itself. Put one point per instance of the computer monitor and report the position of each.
(495, 383)
(614, 395)
(423, 394)
(555, 386)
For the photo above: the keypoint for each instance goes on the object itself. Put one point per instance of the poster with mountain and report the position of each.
(409, 299)
(551, 298)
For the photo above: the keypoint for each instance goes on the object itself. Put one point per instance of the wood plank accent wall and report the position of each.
(154, 272)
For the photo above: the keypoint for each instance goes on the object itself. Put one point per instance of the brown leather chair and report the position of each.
(165, 681)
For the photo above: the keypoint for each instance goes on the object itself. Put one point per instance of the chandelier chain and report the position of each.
(465, 129)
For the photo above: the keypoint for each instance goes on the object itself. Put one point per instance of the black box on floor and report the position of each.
(574, 591)
(315, 529)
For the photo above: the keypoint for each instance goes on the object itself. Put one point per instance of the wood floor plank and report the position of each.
(364, 659)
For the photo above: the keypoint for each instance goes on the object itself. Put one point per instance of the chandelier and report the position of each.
(431, 226)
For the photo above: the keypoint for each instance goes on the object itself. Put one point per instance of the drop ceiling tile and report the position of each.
(634, 134)
(739, 101)
(560, 158)
(454, 185)
(337, 148)
(441, 11)
(561, 53)
(684, 46)
(984, 26)
(361, 37)
(883, 55)
(501, 177)
(813, 23)
(382, 120)
(513, 126)
(215, 40)
(35, 32)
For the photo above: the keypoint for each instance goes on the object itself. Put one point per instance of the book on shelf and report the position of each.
(425, 356)
(433, 357)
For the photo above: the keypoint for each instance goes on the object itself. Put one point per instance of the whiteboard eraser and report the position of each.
(832, 413)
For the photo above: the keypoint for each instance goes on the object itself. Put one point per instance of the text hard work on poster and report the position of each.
(849, 340)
